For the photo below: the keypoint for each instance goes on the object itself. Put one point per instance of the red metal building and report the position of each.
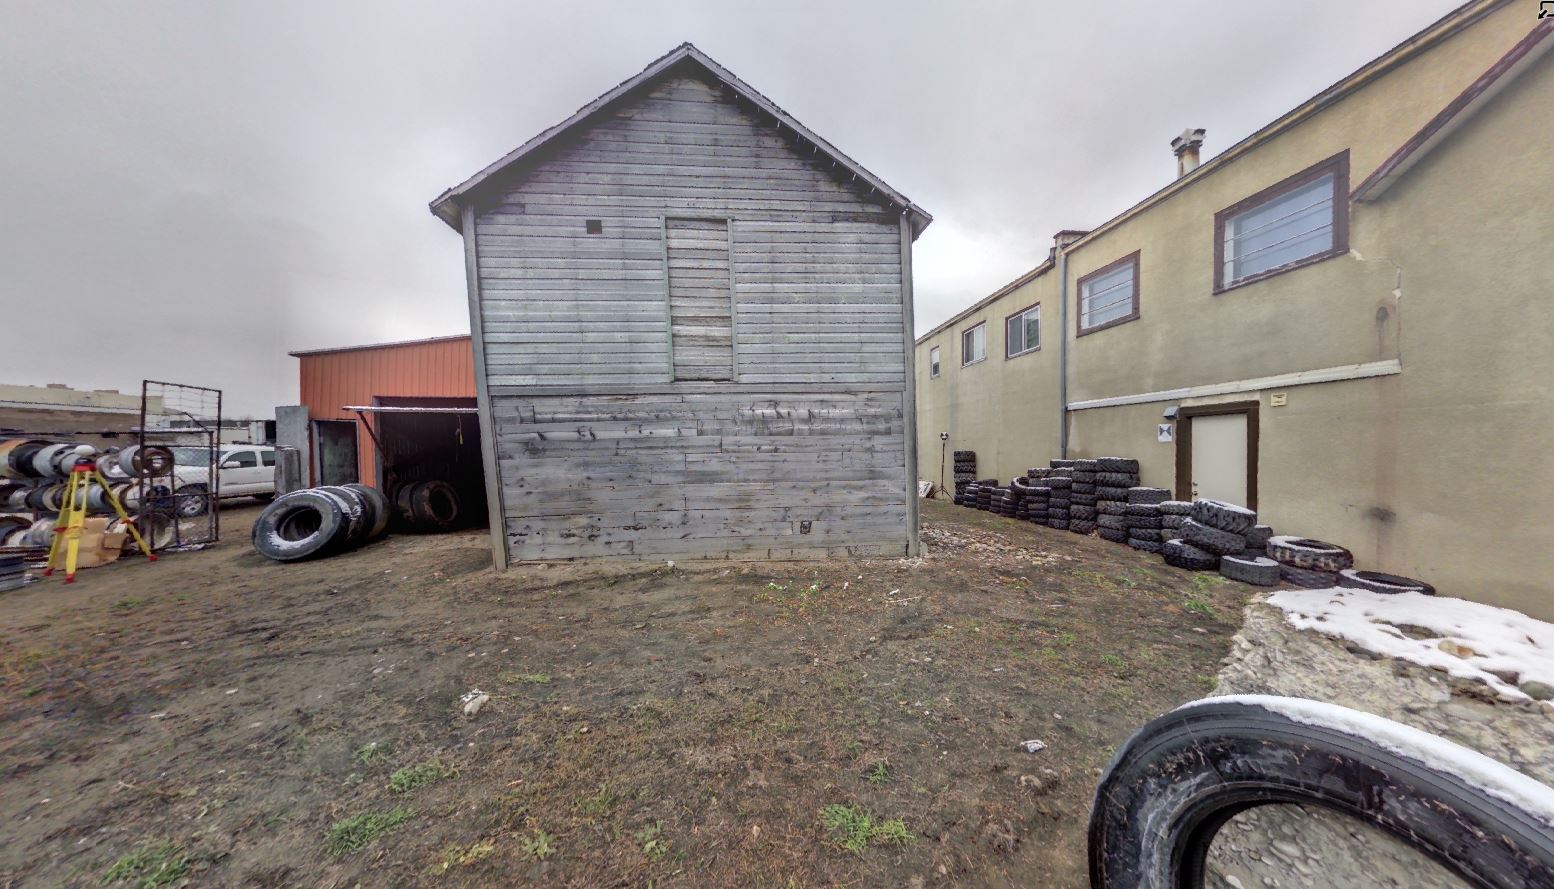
(389, 413)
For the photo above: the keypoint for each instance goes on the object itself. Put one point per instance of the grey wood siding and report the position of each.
(720, 370)
(816, 263)
(707, 474)
(701, 314)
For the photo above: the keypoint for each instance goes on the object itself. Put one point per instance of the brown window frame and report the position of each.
(1184, 418)
(1338, 165)
(1079, 296)
(966, 330)
(1011, 316)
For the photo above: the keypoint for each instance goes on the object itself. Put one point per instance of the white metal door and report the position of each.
(1219, 457)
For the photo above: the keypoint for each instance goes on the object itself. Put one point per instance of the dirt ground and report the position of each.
(216, 719)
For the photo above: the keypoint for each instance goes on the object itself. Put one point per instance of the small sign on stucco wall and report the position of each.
(1163, 431)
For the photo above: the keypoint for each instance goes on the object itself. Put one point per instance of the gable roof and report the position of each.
(448, 205)
(1520, 58)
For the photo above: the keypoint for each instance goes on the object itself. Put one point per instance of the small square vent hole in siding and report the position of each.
(595, 227)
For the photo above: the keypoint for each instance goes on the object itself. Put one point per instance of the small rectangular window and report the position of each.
(973, 345)
(1302, 220)
(1022, 332)
(1109, 295)
(243, 459)
(933, 363)
(267, 458)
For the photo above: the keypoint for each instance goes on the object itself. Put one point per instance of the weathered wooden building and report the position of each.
(692, 325)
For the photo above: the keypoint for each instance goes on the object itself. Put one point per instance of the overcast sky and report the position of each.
(196, 188)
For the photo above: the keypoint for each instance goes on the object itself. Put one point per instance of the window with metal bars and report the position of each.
(1296, 222)
(1109, 295)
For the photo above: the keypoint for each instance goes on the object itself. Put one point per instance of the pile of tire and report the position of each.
(1038, 496)
(428, 506)
(1309, 563)
(986, 493)
(1141, 517)
(315, 523)
(1005, 502)
(1060, 502)
(34, 473)
(1113, 478)
(1083, 496)
(1205, 533)
(965, 470)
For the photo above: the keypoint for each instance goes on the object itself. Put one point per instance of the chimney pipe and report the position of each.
(1185, 147)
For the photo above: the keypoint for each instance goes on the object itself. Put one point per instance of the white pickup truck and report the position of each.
(245, 471)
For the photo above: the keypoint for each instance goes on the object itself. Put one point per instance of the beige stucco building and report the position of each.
(1343, 320)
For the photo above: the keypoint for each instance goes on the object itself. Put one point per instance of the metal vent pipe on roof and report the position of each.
(1185, 147)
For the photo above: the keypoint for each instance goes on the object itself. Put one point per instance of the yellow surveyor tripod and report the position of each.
(72, 517)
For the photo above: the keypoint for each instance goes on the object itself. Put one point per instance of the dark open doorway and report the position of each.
(436, 439)
(334, 451)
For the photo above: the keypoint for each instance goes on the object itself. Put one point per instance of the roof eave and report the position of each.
(1520, 58)
(447, 205)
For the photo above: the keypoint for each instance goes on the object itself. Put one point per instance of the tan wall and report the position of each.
(1004, 409)
(1333, 313)
(1435, 472)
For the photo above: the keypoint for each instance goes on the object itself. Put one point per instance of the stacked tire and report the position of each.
(1060, 482)
(1309, 563)
(965, 470)
(1083, 497)
(982, 492)
(1007, 502)
(316, 523)
(1172, 514)
(1113, 477)
(1038, 498)
(1142, 517)
(429, 506)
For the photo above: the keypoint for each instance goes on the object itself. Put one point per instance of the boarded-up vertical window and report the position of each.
(700, 299)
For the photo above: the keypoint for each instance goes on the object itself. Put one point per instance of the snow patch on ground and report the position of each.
(1494, 778)
(1496, 646)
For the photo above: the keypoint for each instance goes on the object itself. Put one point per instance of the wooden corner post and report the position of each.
(909, 384)
(483, 396)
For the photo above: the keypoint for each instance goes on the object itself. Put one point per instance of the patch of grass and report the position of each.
(1208, 682)
(129, 603)
(149, 866)
(1117, 664)
(853, 829)
(880, 773)
(355, 833)
(460, 856)
(372, 751)
(805, 599)
(538, 845)
(654, 846)
(527, 678)
(1067, 638)
(413, 777)
(1201, 607)
(598, 804)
